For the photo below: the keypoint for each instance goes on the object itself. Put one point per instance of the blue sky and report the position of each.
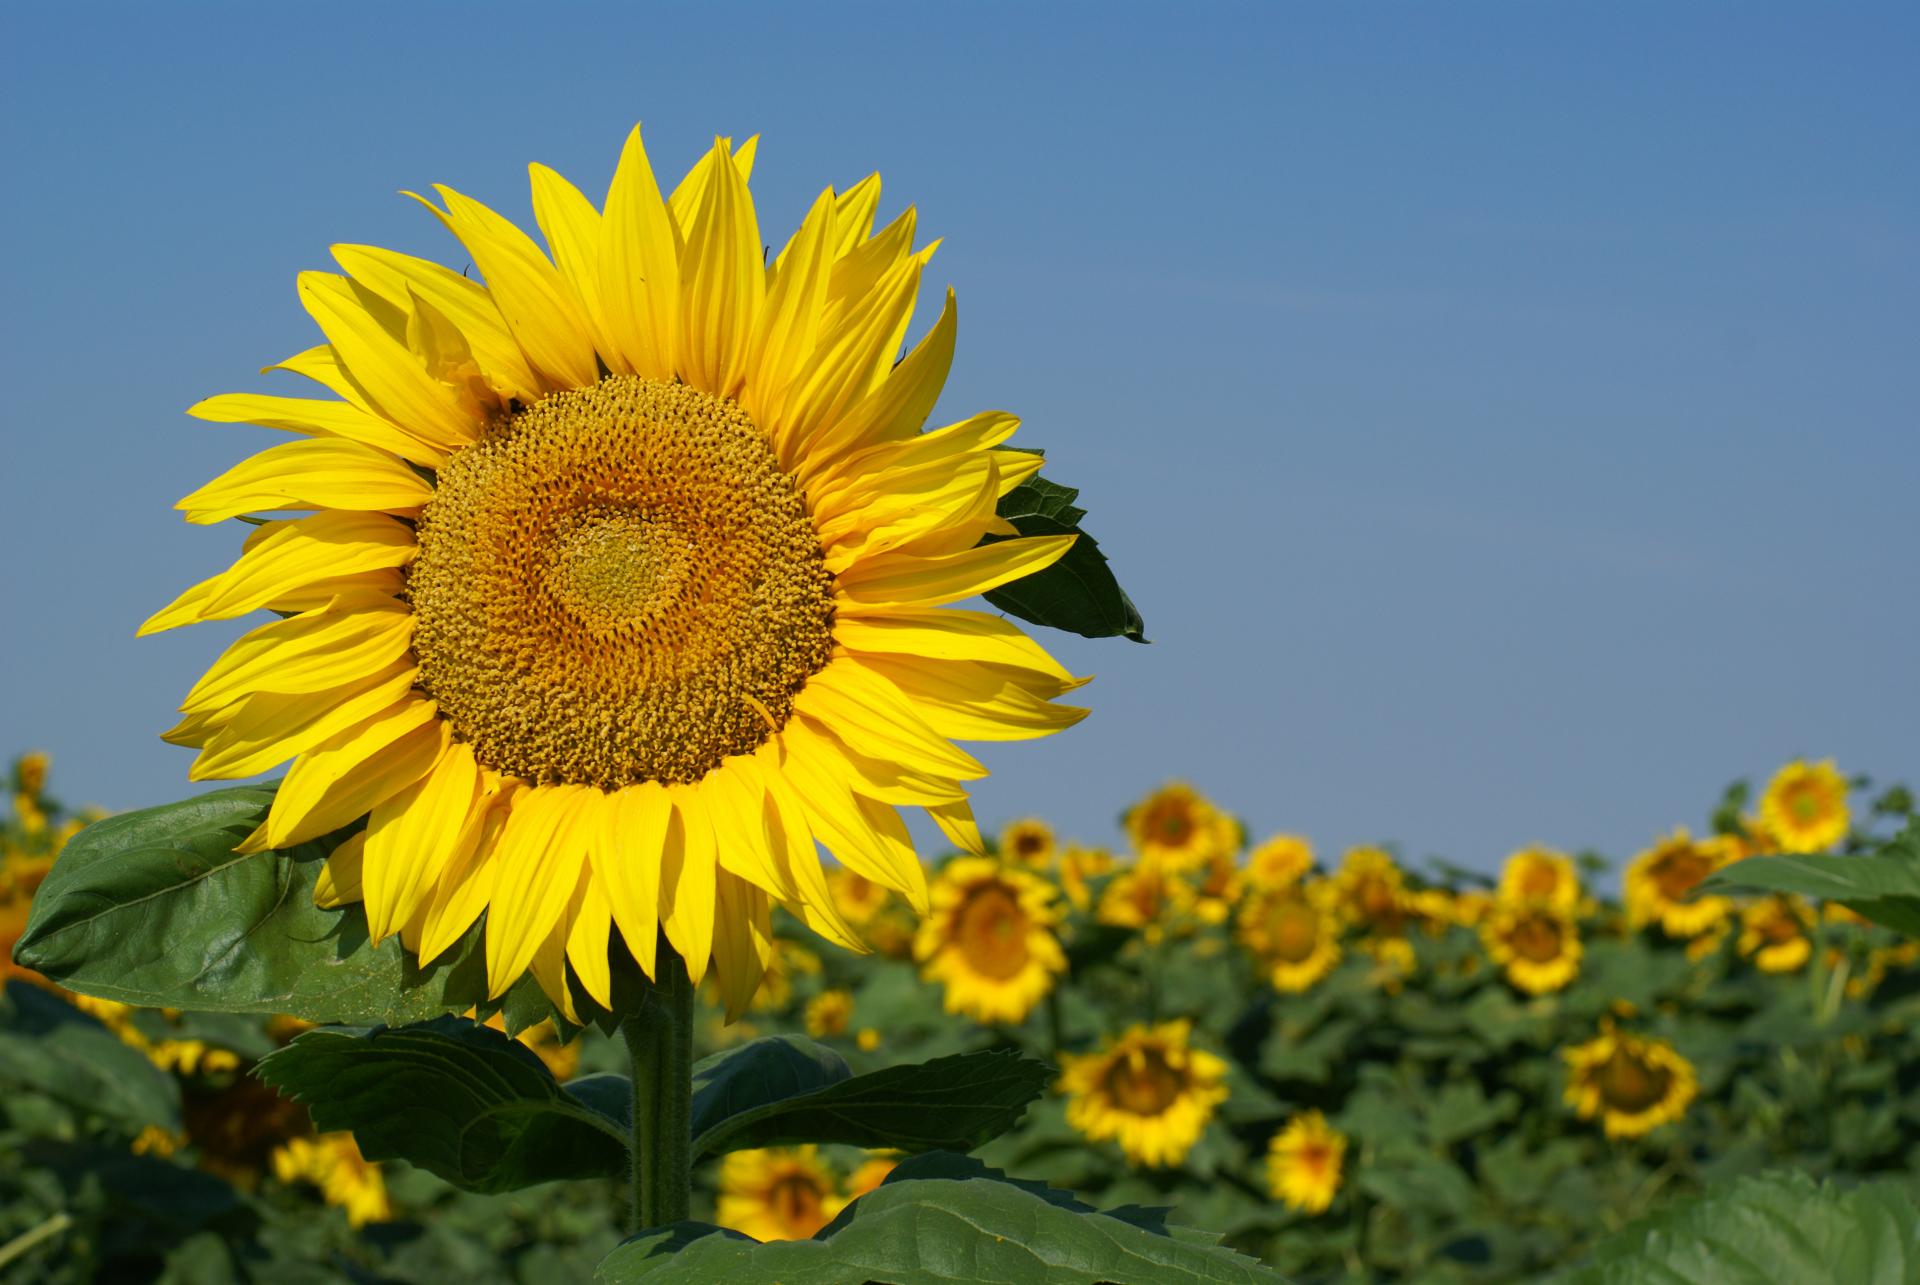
(1504, 415)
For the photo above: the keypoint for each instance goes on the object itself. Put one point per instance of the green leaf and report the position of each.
(761, 1096)
(939, 1219)
(1078, 593)
(457, 1099)
(154, 908)
(50, 1047)
(1771, 1227)
(1884, 886)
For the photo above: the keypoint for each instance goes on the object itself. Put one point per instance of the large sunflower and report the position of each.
(625, 579)
(1148, 1089)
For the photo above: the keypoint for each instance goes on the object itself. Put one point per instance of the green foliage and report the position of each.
(49, 1047)
(1078, 593)
(939, 1219)
(1884, 886)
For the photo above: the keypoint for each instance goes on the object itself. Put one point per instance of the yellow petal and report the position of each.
(322, 365)
(853, 212)
(971, 701)
(742, 942)
(899, 407)
(881, 779)
(339, 882)
(906, 580)
(912, 505)
(467, 885)
(341, 780)
(636, 826)
(687, 881)
(956, 822)
(290, 556)
(549, 962)
(314, 473)
(313, 418)
(269, 728)
(790, 845)
(314, 651)
(386, 583)
(869, 841)
(790, 321)
(587, 943)
(383, 365)
(851, 354)
(738, 811)
(722, 283)
(464, 302)
(948, 633)
(870, 714)
(859, 272)
(640, 268)
(691, 190)
(572, 228)
(414, 836)
(540, 854)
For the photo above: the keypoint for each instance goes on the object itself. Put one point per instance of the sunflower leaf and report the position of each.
(1079, 592)
(950, 1103)
(48, 1046)
(937, 1219)
(1883, 886)
(457, 1099)
(154, 908)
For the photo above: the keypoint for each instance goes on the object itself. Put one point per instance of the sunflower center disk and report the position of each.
(1629, 1084)
(618, 584)
(1145, 1085)
(992, 932)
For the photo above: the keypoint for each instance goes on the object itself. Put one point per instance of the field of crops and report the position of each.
(1351, 1065)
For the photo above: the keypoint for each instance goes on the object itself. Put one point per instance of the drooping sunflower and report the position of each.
(1776, 933)
(989, 940)
(1304, 1163)
(624, 579)
(1805, 806)
(1178, 828)
(1293, 933)
(1280, 862)
(1660, 880)
(1535, 941)
(1540, 874)
(1148, 1089)
(1633, 1083)
(777, 1193)
(346, 1179)
(1028, 843)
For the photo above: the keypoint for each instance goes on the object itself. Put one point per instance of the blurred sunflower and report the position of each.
(1146, 897)
(870, 1174)
(1028, 844)
(989, 940)
(1217, 888)
(778, 1193)
(1147, 1089)
(828, 1014)
(1370, 888)
(1776, 933)
(1292, 932)
(1178, 828)
(1540, 874)
(1536, 941)
(1304, 1163)
(1634, 1084)
(1659, 881)
(1471, 907)
(1805, 806)
(1078, 868)
(625, 581)
(786, 960)
(346, 1179)
(1280, 862)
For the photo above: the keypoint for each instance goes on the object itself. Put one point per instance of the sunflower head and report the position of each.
(829, 1013)
(1540, 874)
(1280, 862)
(778, 1193)
(1304, 1162)
(1535, 941)
(1805, 806)
(1634, 1084)
(1145, 896)
(1776, 933)
(1029, 844)
(1179, 828)
(1148, 1090)
(990, 941)
(30, 773)
(1660, 885)
(1079, 866)
(1372, 890)
(1292, 931)
(346, 1179)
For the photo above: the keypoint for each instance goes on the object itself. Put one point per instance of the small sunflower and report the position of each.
(1805, 806)
(30, 773)
(1540, 874)
(1472, 906)
(856, 897)
(1371, 889)
(1776, 933)
(1078, 868)
(1659, 881)
(870, 1174)
(1217, 887)
(1304, 1163)
(1178, 828)
(1292, 932)
(1029, 844)
(1148, 1090)
(1633, 1083)
(989, 940)
(346, 1179)
(1146, 897)
(1280, 862)
(829, 1013)
(625, 578)
(1536, 941)
(778, 1193)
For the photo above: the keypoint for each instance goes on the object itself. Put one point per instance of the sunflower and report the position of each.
(30, 773)
(1540, 874)
(1304, 1162)
(1776, 933)
(1293, 934)
(1028, 844)
(828, 1014)
(1217, 888)
(1147, 1089)
(1078, 867)
(346, 1179)
(1633, 1083)
(1280, 862)
(989, 940)
(1471, 907)
(1536, 941)
(1177, 828)
(1805, 806)
(871, 1173)
(1371, 889)
(1659, 881)
(777, 1194)
(624, 581)
(1144, 896)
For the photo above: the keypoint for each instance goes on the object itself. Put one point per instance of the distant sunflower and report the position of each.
(1634, 1084)
(1078, 868)
(1028, 843)
(1371, 889)
(1805, 806)
(1281, 861)
(1144, 896)
(828, 1014)
(1304, 1163)
(346, 1179)
(1540, 874)
(1660, 880)
(1179, 828)
(1148, 1090)
(1216, 888)
(871, 1173)
(1536, 941)
(989, 940)
(1293, 933)
(777, 1193)
(625, 581)
(1776, 934)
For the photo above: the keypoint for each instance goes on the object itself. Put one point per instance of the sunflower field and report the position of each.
(1346, 1066)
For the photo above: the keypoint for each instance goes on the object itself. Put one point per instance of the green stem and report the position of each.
(659, 1036)
(26, 1240)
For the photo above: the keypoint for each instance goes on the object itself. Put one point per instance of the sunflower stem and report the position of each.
(659, 1038)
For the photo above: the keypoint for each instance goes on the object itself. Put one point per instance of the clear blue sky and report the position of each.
(1504, 415)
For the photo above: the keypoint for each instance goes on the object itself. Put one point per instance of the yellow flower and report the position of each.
(1304, 1162)
(1540, 874)
(989, 940)
(1145, 897)
(829, 1013)
(1291, 931)
(1658, 881)
(347, 1180)
(1805, 806)
(857, 897)
(1535, 941)
(1027, 844)
(30, 773)
(867, 1038)
(1634, 1084)
(1148, 1090)
(1218, 888)
(27, 814)
(190, 1057)
(1775, 934)
(871, 1174)
(1078, 866)
(626, 579)
(787, 960)
(1471, 907)
(1280, 862)
(156, 1141)
(1371, 889)
(777, 1194)
(1175, 827)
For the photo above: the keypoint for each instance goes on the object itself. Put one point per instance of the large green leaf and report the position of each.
(1884, 886)
(783, 1091)
(1765, 1229)
(154, 908)
(1078, 593)
(939, 1219)
(457, 1099)
(48, 1046)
